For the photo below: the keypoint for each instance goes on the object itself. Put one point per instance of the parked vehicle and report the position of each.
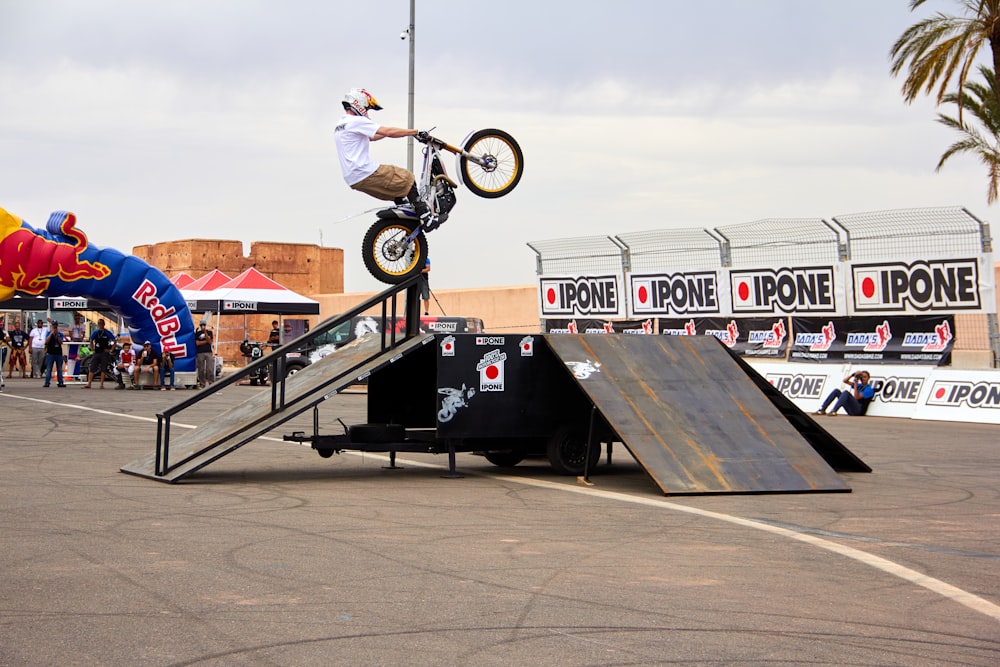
(323, 344)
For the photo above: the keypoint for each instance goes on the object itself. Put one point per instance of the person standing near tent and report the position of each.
(37, 338)
(425, 286)
(205, 354)
(274, 338)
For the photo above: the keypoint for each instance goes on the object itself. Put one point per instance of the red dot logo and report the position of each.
(643, 294)
(550, 296)
(743, 291)
(448, 347)
(939, 394)
(526, 347)
(492, 372)
(868, 288)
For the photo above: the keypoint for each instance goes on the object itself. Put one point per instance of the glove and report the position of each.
(422, 136)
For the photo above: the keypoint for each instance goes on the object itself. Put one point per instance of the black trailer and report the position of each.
(506, 397)
(694, 416)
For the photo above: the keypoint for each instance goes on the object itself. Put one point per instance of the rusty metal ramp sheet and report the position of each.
(192, 449)
(691, 417)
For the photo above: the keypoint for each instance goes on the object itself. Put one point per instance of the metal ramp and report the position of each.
(196, 448)
(692, 416)
(179, 456)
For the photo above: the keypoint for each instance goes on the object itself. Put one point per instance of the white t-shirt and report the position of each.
(352, 136)
(38, 336)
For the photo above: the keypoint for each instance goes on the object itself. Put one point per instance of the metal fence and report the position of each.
(891, 235)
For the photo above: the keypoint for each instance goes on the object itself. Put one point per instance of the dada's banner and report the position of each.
(926, 340)
(599, 296)
(591, 326)
(748, 336)
(676, 294)
(922, 286)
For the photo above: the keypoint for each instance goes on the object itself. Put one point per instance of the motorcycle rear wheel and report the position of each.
(506, 163)
(385, 255)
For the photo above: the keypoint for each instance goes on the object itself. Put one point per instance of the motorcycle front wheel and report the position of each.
(386, 254)
(498, 165)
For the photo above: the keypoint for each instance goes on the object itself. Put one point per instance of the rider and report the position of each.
(353, 134)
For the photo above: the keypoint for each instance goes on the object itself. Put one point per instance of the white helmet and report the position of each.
(360, 101)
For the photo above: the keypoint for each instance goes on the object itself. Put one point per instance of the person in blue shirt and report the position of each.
(854, 402)
(54, 355)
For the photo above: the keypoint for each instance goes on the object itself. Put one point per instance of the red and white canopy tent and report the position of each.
(253, 292)
(200, 289)
(250, 293)
(182, 280)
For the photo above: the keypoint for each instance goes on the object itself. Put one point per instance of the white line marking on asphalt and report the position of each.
(960, 596)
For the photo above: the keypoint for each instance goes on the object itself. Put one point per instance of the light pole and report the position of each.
(411, 32)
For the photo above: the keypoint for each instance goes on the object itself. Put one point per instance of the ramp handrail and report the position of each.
(277, 361)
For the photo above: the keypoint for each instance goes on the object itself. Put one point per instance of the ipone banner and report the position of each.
(786, 290)
(918, 339)
(762, 337)
(923, 286)
(58, 261)
(582, 296)
(676, 294)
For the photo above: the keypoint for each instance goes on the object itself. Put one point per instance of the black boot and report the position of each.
(420, 208)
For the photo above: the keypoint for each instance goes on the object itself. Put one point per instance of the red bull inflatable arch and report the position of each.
(58, 261)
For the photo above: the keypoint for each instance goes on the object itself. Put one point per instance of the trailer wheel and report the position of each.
(567, 452)
(504, 459)
(326, 453)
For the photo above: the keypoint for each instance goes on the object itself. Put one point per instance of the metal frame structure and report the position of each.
(946, 232)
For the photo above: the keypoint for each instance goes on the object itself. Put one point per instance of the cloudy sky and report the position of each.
(158, 121)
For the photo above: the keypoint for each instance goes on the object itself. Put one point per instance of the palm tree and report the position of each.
(980, 99)
(940, 46)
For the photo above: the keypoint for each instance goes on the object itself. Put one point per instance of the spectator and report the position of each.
(102, 343)
(3, 351)
(36, 338)
(125, 364)
(167, 368)
(149, 360)
(18, 342)
(205, 354)
(54, 355)
(77, 330)
(274, 338)
(425, 286)
(855, 402)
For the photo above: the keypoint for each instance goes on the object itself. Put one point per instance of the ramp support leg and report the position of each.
(590, 445)
(392, 462)
(452, 474)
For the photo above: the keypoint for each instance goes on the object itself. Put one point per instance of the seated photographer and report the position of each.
(854, 402)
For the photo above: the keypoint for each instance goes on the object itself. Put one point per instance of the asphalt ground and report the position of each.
(275, 556)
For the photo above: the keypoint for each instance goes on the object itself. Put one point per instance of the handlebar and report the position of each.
(424, 137)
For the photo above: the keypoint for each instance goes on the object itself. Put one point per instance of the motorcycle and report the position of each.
(490, 165)
(253, 352)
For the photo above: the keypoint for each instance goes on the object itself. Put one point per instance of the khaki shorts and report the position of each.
(388, 182)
